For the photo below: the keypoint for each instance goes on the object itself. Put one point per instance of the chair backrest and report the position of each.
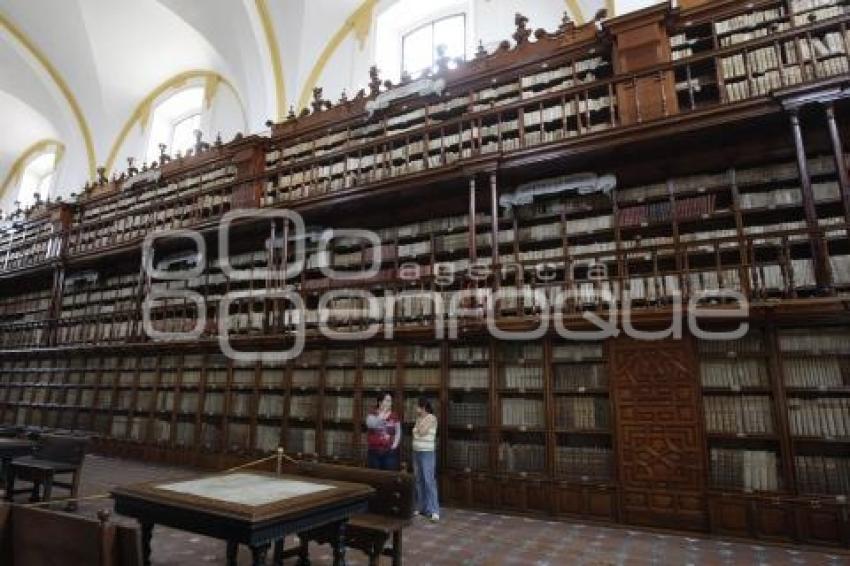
(66, 449)
(393, 490)
(5, 534)
(41, 537)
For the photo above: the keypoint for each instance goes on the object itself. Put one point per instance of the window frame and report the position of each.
(432, 23)
(189, 114)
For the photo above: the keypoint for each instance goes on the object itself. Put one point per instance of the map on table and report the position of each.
(245, 489)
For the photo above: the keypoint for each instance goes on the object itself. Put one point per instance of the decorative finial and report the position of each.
(199, 144)
(318, 103)
(131, 170)
(374, 81)
(103, 516)
(163, 157)
(522, 32)
(101, 175)
(343, 97)
(480, 53)
(218, 142)
(442, 59)
(405, 76)
(566, 23)
(291, 115)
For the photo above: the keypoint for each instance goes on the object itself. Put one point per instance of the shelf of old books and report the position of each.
(241, 409)
(338, 400)
(214, 384)
(125, 384)
(468, 435)
(739, 407)
(301, 406)
(88, 393)
(521, 398)
(816, 375)
(272, 400)
(25, 314)
(581, 412)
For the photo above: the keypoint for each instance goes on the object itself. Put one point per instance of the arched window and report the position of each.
(419, 46)
(174, 121)
(409, 33)
(37, 174)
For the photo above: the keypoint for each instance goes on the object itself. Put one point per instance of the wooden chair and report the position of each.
(390, 510)
(54, 455)
(30, 536)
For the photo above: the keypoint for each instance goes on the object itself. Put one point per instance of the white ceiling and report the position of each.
(107, 56)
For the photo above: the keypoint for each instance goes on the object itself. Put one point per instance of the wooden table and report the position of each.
(11, 448)
(251, 508)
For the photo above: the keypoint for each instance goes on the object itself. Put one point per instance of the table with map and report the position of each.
(251, 508)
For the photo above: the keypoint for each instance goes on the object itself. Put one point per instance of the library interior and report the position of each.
(607, 320)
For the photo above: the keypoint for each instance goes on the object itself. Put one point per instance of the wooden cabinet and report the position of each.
(823, 522)
(591, 501)
(773, 519)
(729, 515)
(640, 43)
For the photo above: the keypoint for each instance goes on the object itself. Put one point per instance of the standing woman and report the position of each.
(384, 435)
(425, 460)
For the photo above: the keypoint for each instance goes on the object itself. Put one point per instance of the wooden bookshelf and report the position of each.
(674, 153)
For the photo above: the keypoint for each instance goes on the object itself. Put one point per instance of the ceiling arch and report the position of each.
(274, 56)
(143, 108)
(85, 68)
(27, 44)
(358, 22)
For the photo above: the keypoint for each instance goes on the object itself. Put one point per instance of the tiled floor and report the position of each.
(470, 538)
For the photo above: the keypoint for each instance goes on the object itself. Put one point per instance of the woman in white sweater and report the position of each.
(425, 460)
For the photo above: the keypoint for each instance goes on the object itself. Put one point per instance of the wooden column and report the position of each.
(840, 165)
(494, 219)
(473, 250)
(819, 253)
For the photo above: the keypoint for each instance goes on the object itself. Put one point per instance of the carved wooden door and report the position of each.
(660, 441)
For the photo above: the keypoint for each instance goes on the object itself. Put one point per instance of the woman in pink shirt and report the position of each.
(384, 435)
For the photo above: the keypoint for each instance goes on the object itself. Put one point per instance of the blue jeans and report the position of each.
(382, 460)
(425, 474)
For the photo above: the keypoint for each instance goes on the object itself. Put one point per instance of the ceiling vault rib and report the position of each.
(575, 9)
(274, 55)
(358, 22)
(39, 56)
(142, 110)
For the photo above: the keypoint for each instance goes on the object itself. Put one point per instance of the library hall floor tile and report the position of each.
(471, 538)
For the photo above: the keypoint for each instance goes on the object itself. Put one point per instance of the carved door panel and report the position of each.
(660, 440)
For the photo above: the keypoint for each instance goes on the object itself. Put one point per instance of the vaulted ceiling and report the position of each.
(78, 71)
